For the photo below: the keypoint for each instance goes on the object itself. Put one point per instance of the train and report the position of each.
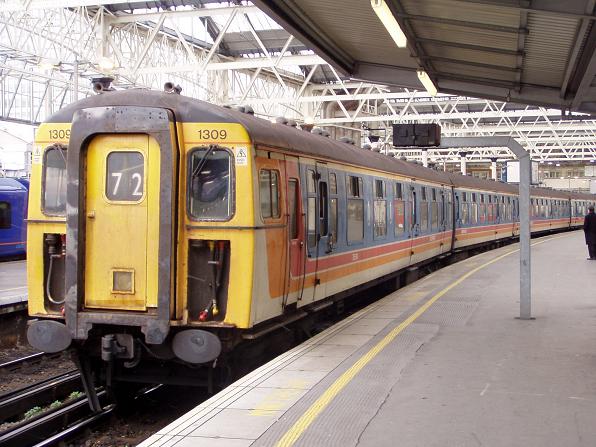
(13, 213)
(165, 231)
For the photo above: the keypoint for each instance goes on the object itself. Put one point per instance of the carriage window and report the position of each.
(332, 183)
(380, 210)
(311, 232)
(269, 193)
(210, 184)
(354, 186)
(293, 207)
(310, 181)
(399, 210)
(379, 189)
(333, 220)
(423, 215)
(474, 214)
(5, 219)
(355, 220)
(125, 176)
(398, 191)
(54, 181)
(464, 213)
(434, 211)
(323, 209)
(355, 209)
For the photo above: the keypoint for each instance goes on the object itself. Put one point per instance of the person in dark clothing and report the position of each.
(590, 232)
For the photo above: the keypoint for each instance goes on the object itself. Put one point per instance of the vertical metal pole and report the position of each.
(425, 157)
(464, 168)
(493, 168)
(525, 285)
(75, 81)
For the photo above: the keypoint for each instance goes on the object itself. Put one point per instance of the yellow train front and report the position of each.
(141, 211)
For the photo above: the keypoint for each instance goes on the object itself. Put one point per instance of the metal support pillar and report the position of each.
(493, 168)
(425, 157)
(75, 81)
(525, 175)
(464, 167)
(525, 172)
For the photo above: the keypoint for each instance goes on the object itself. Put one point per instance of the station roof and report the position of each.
(540, 52)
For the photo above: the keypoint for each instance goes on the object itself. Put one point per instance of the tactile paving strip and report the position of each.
(459, 298)
(448, 313)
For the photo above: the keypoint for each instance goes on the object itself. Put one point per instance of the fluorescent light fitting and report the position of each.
(106, 64)
(48, 64)
(427, 82)
(388, 20)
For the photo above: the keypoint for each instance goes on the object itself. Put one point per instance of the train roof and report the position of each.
(10, 184)
(260, 130)
(266, 134)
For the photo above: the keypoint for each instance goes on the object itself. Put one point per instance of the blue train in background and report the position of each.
(13, 214)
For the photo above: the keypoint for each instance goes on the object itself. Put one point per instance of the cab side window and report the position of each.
(211, 184)
(54, 181)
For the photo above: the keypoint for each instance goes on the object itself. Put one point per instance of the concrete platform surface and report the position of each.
(13, 282)
(442, 362)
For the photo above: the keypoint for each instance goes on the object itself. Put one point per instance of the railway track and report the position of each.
(16, 402)
(53, 426)
(53, 407)
(13, 365)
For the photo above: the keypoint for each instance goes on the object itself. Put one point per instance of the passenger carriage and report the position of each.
(165, 230)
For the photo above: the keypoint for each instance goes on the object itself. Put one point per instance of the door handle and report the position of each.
(91, 214)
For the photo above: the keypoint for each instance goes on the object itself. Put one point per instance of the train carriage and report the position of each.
(13, 211)
(165, 230)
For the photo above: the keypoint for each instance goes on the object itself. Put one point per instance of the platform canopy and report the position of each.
(327, 63)
(538, 52)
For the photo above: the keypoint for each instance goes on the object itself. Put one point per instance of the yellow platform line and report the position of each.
(292, 435)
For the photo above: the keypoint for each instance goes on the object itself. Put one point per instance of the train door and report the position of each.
(445, 212)
(414, 224)
(454, 213)
(309, 176)
(404, 216)
(121, 239)
(324, 246)
(414, 216)
(295, 228)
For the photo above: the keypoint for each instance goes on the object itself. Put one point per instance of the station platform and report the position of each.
(13, 286)
(441, 362)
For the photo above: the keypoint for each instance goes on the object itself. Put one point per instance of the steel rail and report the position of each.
(20, 400)
(18, 363)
